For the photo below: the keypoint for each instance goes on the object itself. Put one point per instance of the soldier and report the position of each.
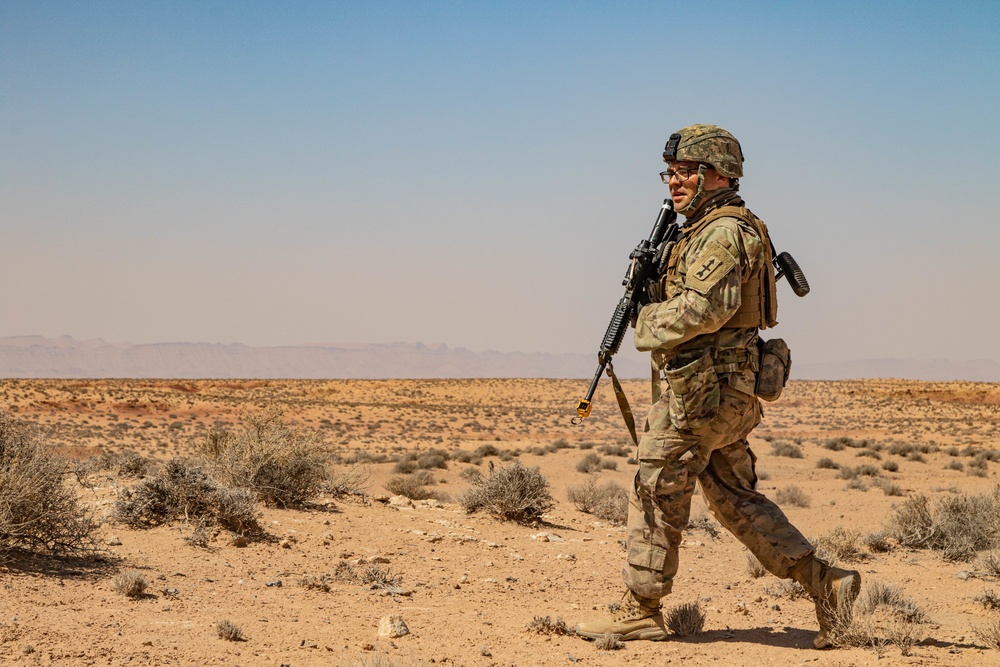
(701, 328)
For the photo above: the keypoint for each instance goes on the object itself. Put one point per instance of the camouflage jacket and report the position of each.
(704, 290)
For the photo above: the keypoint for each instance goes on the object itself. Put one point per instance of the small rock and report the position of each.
(114, 541)
(964, 575)
(285, 544)
(400, 501)
(276, 583)
(392, 627)
(368, 647)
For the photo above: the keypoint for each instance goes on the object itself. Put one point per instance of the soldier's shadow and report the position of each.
(785, 637)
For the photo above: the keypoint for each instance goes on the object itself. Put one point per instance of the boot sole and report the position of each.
(648, 634)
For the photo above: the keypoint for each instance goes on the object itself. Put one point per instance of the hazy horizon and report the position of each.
(476, 174)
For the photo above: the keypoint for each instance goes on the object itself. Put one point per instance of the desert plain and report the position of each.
(470, 588)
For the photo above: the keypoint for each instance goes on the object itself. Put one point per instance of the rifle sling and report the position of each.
(623, 403)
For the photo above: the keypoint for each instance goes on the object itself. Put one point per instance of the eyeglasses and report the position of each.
(680, 173)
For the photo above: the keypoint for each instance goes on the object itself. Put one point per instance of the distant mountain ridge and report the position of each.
(66, 357)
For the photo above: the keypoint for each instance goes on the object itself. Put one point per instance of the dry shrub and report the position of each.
(38, 512)
(236, 510)
(512, 493)
(888, 488)
(989, 600)
(412, 486)
(878, 595)
(782, 448)
(786, 588)
(544, 625)
(885, 616)
(685, 620)
(706, 525)
(316, 583)
(608, 501)
(131, 464)
(377, 577)
(958, 525)
(185, 491)
(593, 462)
(754, 567)
(130, 583)
(792, 495)
(989, 563)
(989, 633)
(284, 465)
(344, 571)
(878, 542)
(842, 544)
(353, 482)
(231, 632)
(827, 463)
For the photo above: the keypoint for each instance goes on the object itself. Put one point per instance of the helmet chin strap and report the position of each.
(699, 194)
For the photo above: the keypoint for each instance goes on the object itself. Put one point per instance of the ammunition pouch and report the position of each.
(775, 365)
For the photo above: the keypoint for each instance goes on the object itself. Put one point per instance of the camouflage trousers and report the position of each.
(717, 455)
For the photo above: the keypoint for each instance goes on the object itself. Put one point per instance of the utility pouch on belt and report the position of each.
(775, 364)
(694, 393)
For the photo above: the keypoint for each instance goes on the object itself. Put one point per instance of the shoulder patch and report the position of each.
(713, 263)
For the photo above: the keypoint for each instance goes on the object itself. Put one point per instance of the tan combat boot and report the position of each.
(639, 618)
(834, 591)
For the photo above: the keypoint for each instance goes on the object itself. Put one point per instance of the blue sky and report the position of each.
(476, 173)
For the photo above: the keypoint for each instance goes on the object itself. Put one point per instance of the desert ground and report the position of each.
(472, 589)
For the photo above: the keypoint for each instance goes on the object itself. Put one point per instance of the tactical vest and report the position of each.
(758, 293)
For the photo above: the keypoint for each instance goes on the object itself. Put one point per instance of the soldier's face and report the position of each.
(683, 191)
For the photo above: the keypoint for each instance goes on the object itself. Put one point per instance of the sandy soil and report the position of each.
(471, 584)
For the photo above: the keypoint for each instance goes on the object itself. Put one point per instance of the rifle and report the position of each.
(644, 266)
(648, 260)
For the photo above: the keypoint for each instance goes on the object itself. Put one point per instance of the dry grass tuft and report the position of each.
(989, 600)
(130, 583)
(885, 616)
(609, 642)
(754, 567)
(786, 588)
(608, 501)
(413, 486)
(782, 448)
(231, 632)
(38, 512)
(989, 632)
(685, 620)
(989, 563)
(792, 495)
(512, 493)
(842, 544)
(544, 625)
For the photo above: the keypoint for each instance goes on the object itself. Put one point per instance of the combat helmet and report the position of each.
(709, 144)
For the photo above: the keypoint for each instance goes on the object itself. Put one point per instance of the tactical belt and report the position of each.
(726, 360)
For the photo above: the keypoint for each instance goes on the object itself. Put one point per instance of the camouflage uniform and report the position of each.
(697, 428)
(700, 328)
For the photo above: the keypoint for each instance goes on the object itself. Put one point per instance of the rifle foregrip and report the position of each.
(616, 328)
(790, 269)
